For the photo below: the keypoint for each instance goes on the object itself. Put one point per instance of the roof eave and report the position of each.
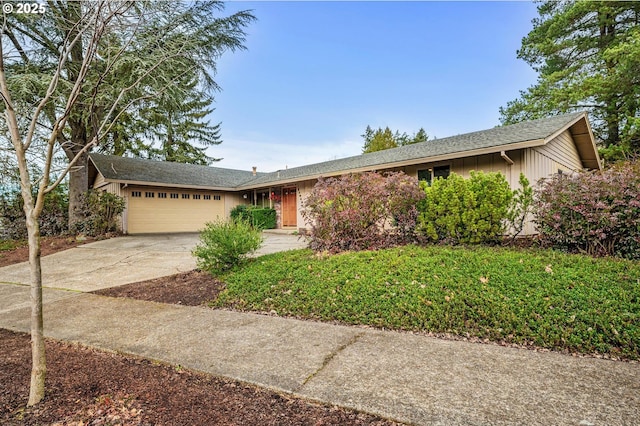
(583, 138)
(169, 185)
(410, 162)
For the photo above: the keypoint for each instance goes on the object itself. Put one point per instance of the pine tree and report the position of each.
(587, 54)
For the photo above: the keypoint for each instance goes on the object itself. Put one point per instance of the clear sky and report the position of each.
(317, 73)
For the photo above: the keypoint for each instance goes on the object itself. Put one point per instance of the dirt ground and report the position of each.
(91, 387)
(48, 245)
(192, 288)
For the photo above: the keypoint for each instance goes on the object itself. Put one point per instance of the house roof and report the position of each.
(516, 136)
(520, 135)
(135, 170)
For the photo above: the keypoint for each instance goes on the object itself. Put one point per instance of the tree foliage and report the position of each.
(587, 54)
(68, 76)
(378, 140)
(165, 111)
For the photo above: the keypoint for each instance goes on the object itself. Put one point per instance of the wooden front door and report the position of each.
(289, 207)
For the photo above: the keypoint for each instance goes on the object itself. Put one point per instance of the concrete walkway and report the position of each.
(410, 378)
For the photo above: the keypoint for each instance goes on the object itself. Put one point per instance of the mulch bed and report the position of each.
(48, 245)
(192, 288)
(90, 387)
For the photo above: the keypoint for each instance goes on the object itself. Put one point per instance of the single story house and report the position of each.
(173, 197)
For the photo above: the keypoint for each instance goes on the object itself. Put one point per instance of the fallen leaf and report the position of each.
(548, 269)
(484, 280)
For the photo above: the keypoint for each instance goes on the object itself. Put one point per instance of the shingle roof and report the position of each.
(497, 137)
(138, 170)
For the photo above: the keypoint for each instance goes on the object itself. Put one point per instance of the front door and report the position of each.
(289, 207)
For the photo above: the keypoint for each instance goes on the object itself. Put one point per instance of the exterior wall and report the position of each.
(536, 163)
(114, 188)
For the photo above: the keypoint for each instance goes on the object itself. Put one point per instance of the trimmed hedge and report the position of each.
(260, 218)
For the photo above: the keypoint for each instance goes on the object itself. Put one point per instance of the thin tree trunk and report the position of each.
(39, 364)
(78, 186)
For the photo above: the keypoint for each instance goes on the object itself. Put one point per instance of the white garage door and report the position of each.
(158, 211)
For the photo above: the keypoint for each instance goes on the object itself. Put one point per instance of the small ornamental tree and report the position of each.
(362, 211)
(596, 213)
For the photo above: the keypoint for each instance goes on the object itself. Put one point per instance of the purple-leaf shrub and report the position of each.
(362, 211)
(593, 212)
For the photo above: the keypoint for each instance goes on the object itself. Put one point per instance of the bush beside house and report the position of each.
(225, 244)
(466, 211)
(362, 211)
(595, 213)
(261, 218)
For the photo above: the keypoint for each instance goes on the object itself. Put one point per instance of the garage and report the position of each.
(154, 210)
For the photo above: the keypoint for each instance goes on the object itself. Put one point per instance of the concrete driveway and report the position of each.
(123, 260)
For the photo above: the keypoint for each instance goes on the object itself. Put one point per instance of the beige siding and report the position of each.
(563, 152)
(160, 215)
(304, 189)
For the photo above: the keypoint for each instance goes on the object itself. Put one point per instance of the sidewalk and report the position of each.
(410, 378)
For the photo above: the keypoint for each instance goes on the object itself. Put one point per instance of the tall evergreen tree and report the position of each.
(173, 39)
(587, 54)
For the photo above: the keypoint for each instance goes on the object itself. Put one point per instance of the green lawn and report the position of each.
(538, 297)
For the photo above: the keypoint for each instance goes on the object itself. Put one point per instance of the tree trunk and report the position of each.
(78, 186)
(39, 363)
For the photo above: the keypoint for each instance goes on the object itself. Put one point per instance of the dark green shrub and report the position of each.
(596, 212)
(100, 211)
(261, 218)
(225, 244)
(53, 220)
(458, 210)
(240, 212)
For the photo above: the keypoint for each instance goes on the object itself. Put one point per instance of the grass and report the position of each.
(6, 245)
(532, 297)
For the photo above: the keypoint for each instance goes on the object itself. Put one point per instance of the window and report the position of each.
(216, 197)
(136, 194)
(185, 196)
(149, 194)
(206, 196)
(174, 195)
(441, 171)
(196, 196)
(162, 195)
(428, 175)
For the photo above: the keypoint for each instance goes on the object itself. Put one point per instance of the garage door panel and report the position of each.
(157, 215)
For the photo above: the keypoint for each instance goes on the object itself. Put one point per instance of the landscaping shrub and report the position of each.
(53, 220)
(458, 210)
(592, 212)
(521, 207)
(261, 218)
(225, 244)
(100, 210)
(362, 211)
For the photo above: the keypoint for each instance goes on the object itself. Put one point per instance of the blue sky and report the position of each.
(317, 73)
